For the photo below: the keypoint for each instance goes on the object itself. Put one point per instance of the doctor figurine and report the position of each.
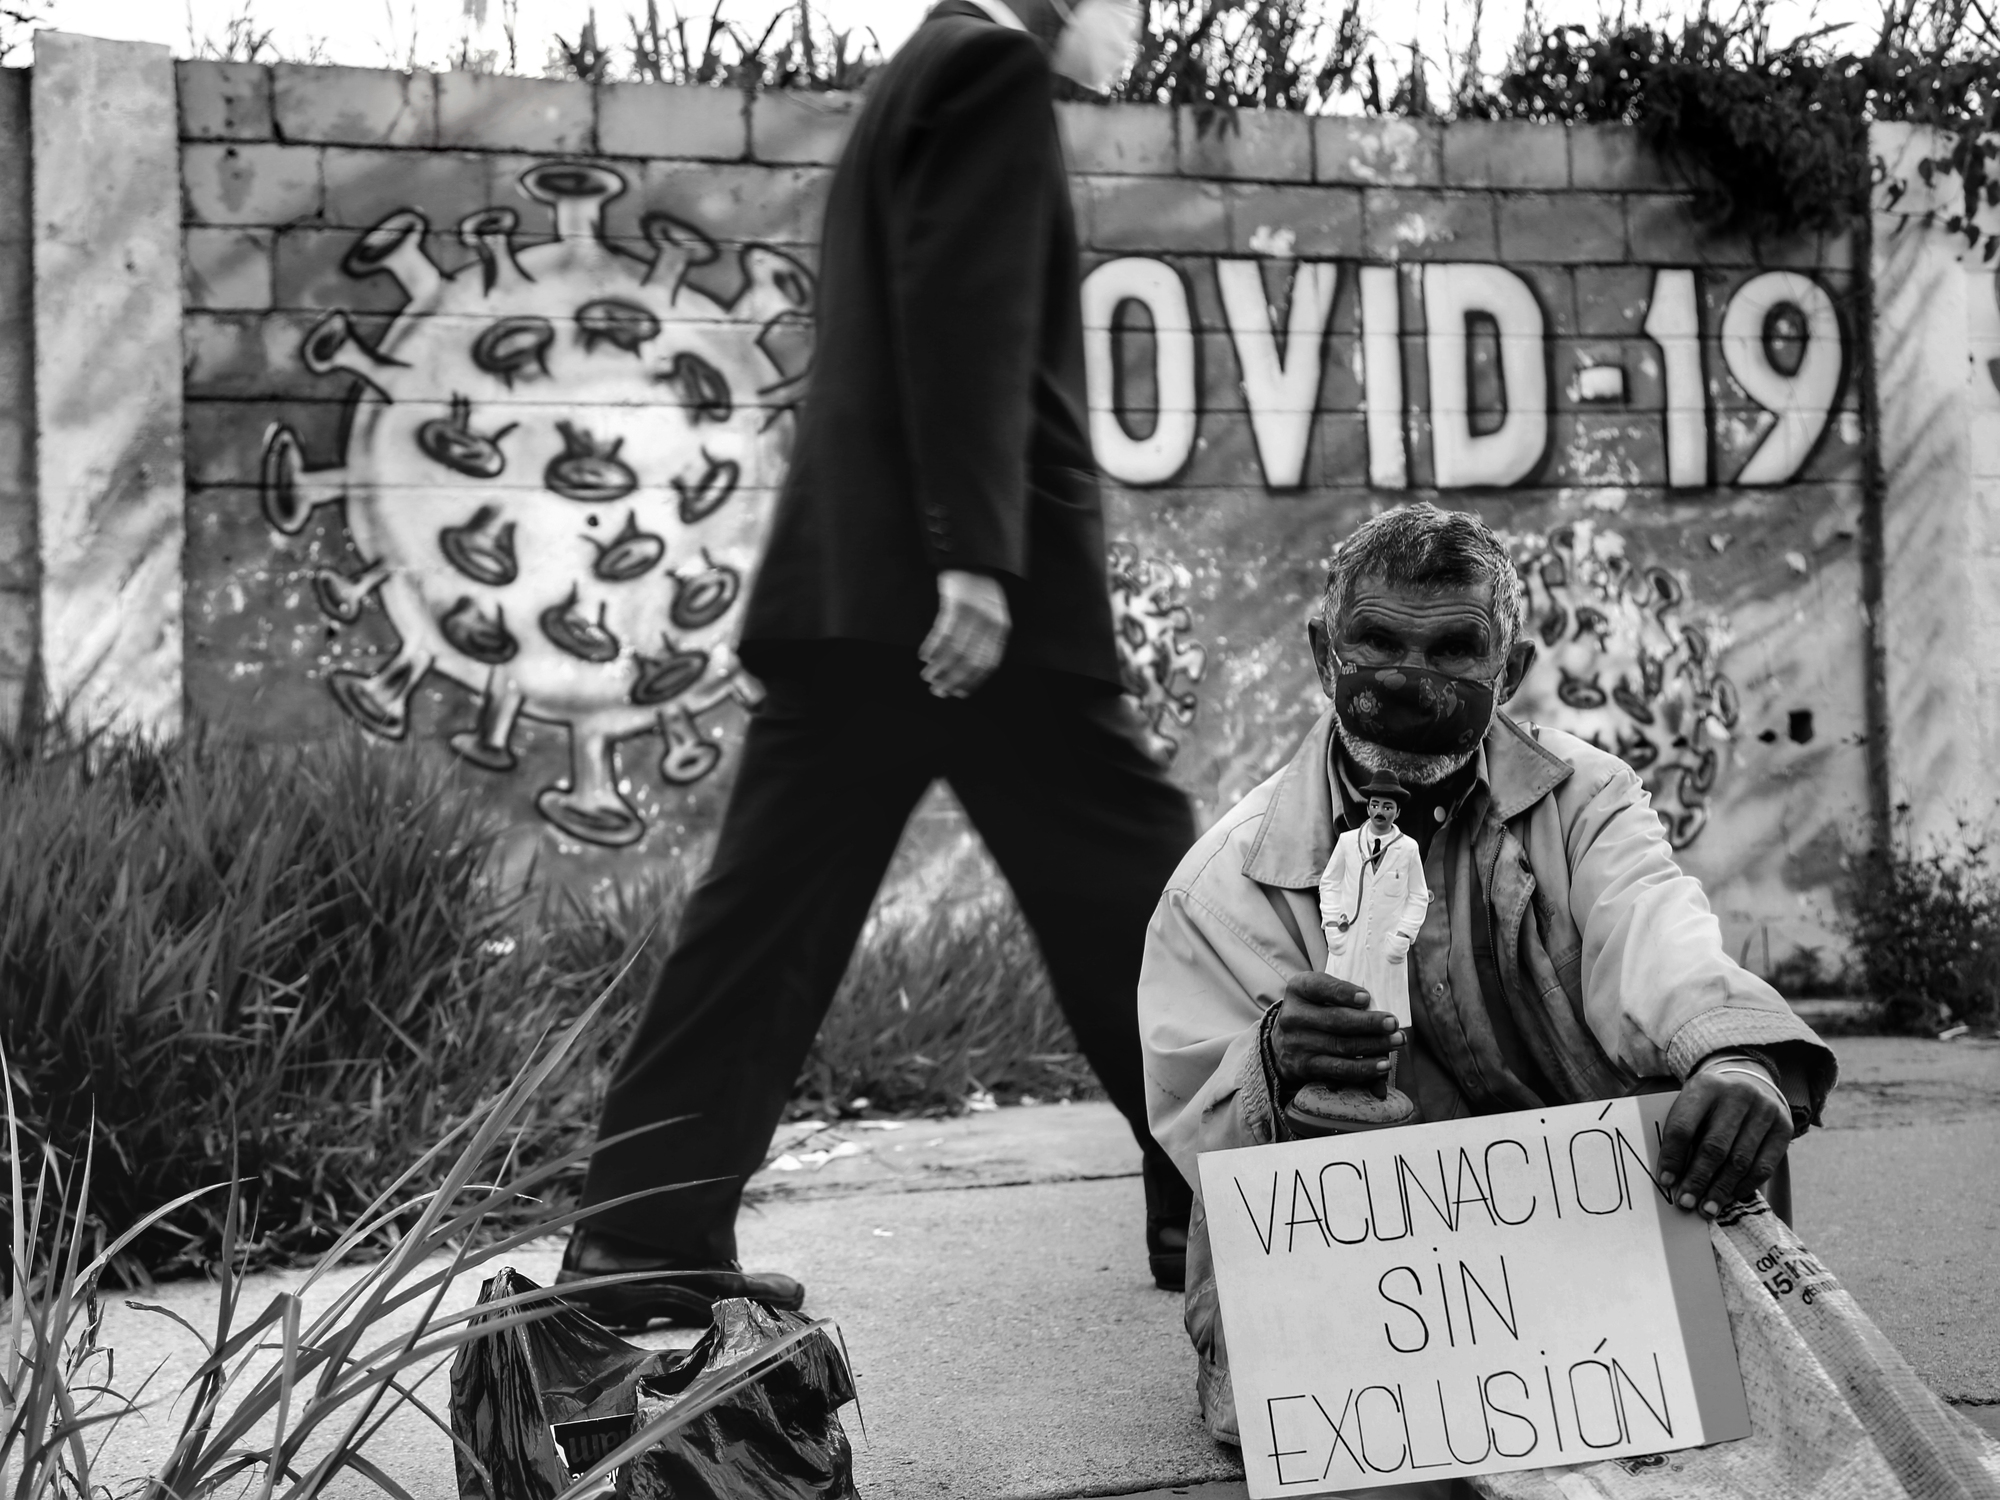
(1371, 904)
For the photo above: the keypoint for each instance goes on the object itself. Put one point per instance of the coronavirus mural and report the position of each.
(557, 476)
(1159, 664)
(1629, 663)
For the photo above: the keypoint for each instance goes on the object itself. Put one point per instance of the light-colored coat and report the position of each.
(1383, 901)
(1597, 933)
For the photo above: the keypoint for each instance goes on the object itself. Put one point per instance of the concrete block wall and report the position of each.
(486, 380)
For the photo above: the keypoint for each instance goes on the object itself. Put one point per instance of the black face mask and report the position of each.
(1413, 709)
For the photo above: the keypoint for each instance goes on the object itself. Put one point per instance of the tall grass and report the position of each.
(293, 966)
(288, 1400)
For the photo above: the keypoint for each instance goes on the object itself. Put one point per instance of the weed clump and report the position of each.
(1925, 925)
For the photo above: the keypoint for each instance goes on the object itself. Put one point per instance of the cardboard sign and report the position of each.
(1507, 1292)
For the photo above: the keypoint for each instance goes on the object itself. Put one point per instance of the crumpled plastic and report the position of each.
(540, 1402)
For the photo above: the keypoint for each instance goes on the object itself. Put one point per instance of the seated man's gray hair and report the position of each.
(1421, 546)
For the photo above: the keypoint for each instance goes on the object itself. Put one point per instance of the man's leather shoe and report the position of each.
(678, 1295)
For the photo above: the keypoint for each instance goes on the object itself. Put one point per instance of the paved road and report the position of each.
(989, 1278)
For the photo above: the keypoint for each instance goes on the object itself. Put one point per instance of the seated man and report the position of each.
(1564, 955)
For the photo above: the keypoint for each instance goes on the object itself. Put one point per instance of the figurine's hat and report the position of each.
(1385, 784)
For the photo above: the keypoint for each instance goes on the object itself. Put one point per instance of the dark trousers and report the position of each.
(1085, 827)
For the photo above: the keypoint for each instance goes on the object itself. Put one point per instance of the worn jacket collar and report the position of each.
(1295, 839)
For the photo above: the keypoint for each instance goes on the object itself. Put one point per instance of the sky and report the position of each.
(380, 33)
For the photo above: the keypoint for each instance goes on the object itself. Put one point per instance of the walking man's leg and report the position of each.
(831, 767)
(1087, 830)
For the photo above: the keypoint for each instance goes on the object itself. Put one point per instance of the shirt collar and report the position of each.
(1295, 839)
(1000, 13)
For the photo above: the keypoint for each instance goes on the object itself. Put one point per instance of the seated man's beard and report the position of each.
(1407, 766)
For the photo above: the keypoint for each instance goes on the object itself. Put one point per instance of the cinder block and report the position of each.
(1271, 145)
(224, 101)
(1567, 228)
(1156, 213)
(365, 187)
(307, 272)
(1505, 154)
(1555, 293)
(1616, 158)
(1661, 229)
(1338, 457)
(1605, 450)
(1640, 376)
(1612, 300)
(770, 205)
(1225, 455)
(354, 106)
(1807, 252)
(225, 439)
(251, 184)
(226, 268)
(1284, 221)
(688, 122)
(14, 128)
(1119, 139)
(489, 112)
(1415, 224)
(255, 356)
(801, 129)
(1379, 151)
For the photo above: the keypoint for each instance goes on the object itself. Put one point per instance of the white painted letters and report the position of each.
(1280, 386)
(1382, 378)
(1673, 324)
(1801, 401)
(1156, 286)
(1452, 295)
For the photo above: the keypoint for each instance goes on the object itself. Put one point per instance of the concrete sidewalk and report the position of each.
(989, 1277)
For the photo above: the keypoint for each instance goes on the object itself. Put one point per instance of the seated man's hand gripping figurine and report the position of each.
(1371, 906)
(1297, 982)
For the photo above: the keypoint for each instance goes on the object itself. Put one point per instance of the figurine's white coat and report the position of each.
(1381, 900)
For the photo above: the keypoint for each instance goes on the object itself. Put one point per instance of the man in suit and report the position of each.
(932, 602)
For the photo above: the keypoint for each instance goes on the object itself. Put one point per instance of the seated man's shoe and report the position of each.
(678, 1295)
(1166, 1254)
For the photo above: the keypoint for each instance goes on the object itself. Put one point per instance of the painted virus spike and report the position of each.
(489, 746)
(490, 232)
(381, 704)
(340, 597)
(290, 492)
(688, 756)
(577, 192)
(333, 345)
(678, 247)
(452, 442)
(591, 808)
(773, 285)
(396, 246)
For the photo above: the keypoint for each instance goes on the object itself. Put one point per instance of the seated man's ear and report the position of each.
(1519, 660)
(1322, 650)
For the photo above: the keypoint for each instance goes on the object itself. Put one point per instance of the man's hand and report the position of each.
(969, 635)
(1325, 1033)
(1723, 1137)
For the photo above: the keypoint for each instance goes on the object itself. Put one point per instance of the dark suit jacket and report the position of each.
(944, 424)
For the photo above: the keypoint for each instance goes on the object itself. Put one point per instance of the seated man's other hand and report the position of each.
(1723, 1137)
(1326, 1033)
(969, 635)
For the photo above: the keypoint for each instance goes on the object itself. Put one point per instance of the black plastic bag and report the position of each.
(541, 1402)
